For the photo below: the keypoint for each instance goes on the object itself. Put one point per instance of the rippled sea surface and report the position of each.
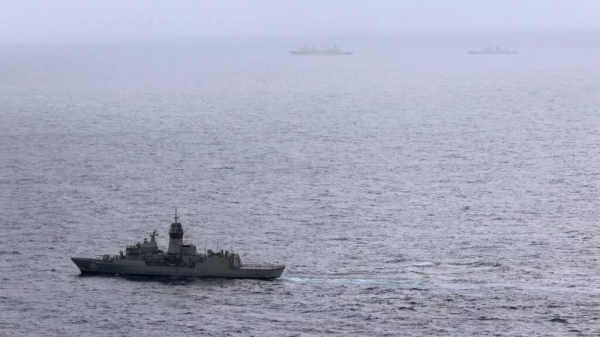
(409, 192)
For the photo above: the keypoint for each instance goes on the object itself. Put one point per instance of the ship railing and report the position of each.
(260, 266)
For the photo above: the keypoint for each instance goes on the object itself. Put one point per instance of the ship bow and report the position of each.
(85, 265)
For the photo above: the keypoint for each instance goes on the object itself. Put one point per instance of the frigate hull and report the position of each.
(216, 267)
(325, 53)
(493, 52)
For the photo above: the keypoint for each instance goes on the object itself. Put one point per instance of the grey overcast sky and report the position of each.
(60, 20)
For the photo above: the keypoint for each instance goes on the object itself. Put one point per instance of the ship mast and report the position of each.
(175, 236)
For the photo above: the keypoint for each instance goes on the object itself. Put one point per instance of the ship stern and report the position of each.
(264, 271)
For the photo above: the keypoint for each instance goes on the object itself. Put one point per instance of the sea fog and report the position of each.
(410, 188)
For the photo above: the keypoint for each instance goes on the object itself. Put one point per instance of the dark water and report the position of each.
(409, 192)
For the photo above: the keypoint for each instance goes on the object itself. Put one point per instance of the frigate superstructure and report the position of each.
(180, 260)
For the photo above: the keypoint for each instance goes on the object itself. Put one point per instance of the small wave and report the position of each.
(14, 252)
(406, 308)
(478, 264)
(425, 264)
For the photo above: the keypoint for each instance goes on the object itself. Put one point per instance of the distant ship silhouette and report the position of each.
(493, 51)
(311, 50)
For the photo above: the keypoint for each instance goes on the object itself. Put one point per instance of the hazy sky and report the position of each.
(49, 20)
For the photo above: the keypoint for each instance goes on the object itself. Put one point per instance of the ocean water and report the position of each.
(409, 191)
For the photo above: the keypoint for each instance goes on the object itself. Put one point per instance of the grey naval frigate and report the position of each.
(311, 50)
(493, 51)
(180, 260)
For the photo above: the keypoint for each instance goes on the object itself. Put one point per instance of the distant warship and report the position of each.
(306, 50)
(180, 260)
(492, 51)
